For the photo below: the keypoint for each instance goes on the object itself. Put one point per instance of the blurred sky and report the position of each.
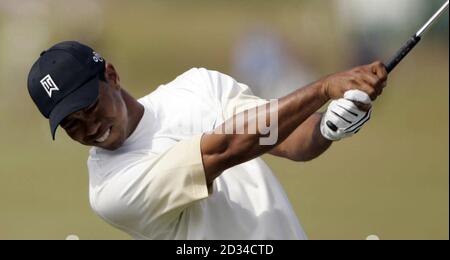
(390, 180)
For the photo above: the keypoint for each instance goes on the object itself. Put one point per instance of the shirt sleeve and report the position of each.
(234, 97)
(150, 196)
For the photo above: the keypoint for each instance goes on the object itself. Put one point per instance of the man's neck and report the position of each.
(135, 111)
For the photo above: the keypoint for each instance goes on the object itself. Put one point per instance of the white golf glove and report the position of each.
(343, 118)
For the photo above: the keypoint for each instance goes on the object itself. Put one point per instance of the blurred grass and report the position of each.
(390, 180)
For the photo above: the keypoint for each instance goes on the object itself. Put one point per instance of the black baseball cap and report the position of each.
(64, 80)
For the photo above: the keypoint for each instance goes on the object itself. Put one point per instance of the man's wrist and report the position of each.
(322, 89)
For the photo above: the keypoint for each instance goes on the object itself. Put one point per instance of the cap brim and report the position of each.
(75, 101)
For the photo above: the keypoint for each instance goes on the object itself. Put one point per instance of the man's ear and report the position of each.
(111, 75)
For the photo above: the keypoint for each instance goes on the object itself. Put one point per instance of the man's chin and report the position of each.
(110, 147)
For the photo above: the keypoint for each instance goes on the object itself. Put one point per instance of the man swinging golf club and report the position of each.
(182, 162)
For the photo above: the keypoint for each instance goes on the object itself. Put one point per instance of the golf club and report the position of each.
(406, 48)
(409, 45)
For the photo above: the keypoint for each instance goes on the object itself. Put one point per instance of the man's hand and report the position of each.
(343, 117)
(368, 78)
(354, 90)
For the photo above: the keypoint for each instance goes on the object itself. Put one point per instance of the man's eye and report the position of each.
(92, 107)
(69, 125)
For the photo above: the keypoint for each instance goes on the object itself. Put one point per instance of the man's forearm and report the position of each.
(305, 143)
(293, 110)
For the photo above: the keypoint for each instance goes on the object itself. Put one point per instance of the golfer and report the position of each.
(183, 162)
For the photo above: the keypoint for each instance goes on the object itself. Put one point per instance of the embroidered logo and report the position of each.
(49, 85)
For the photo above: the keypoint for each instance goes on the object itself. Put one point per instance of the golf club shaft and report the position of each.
(409, 45)
(405, 49)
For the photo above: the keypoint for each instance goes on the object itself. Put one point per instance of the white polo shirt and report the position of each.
(154, 186)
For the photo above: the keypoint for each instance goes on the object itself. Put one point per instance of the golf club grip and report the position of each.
(391, 64)
(402, 52)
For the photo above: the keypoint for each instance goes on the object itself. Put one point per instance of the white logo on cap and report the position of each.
(97, 57)
(49, 85)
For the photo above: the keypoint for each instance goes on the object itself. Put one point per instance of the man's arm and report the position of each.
(305, 143)
(223, 151)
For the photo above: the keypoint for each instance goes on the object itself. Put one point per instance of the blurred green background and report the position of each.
(391, 180)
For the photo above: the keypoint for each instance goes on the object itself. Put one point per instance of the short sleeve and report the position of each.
(151, 195)
(234, 97)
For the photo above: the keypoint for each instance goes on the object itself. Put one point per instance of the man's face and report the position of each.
(104, 123)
